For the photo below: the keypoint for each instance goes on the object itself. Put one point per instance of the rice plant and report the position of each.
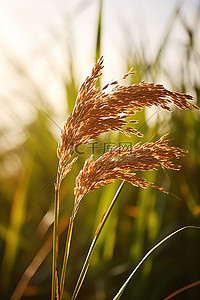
(97, 111)
(122, 223)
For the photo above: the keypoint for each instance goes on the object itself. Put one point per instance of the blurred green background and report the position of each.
(46, 52)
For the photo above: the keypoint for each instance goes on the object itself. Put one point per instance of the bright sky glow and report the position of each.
(39, 34)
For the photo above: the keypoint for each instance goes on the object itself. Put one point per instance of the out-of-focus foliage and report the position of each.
(140, 218)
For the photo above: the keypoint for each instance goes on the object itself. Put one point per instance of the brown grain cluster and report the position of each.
(97, 111)
(118, 163)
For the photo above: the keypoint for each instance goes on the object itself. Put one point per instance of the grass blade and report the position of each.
(120, 292)
(98, 39)
(92, 246)
(189, 286)
(16, 222)
(36, 263)
(104, 201)
(55, 240)
(170, 27)
(66, 256)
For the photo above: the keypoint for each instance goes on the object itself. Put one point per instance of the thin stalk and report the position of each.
(66, 256)
(55, 241)
(183, 289)
(99, 32)
(121, 290)
(92, 246)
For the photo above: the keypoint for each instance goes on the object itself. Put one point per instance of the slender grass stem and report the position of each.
(55, 241)
(66, 256)
(121, 290)
(92, 246)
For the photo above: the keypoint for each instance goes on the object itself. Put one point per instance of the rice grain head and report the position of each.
(97, 111)
(120, 163)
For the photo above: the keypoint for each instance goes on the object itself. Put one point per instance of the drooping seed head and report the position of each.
(98, 111)
(120, 163)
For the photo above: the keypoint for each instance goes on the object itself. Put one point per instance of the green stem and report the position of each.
(120, 292)
(55, 241)
(92, 246)
(66, 256)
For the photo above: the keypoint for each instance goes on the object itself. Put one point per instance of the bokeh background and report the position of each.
(47, 49)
